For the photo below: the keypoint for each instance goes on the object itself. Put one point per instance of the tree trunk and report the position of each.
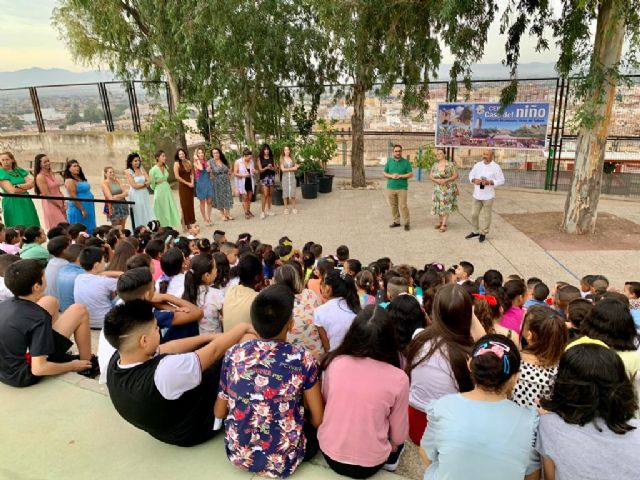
(581, 206)
(174, 99)
(249, 129)
(357, 136)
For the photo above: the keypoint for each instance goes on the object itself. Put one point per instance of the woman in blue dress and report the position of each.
(77, 186)
(204, 187)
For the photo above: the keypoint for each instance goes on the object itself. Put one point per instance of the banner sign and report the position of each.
(471, 124)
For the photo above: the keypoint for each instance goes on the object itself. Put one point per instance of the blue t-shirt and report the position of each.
(168, 331)
(263, 381)
(66, 282)
(480, 440)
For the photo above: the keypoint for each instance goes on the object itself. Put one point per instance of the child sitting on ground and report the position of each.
(32, 248)
(199, 291)
(577, 311)
(463, 272)
(34, 337)
(166, 390)
(264, 384)
(537, 294)
(5, 261)
(563, 296)
(11, 243)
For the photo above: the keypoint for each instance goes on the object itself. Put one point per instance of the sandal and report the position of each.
(438, 226)
(247, 216)
(230, 218)
(443, 228)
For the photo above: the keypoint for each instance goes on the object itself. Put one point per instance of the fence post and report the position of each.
(37, 112)
(564, 116)
(106, 109)
(133, 106)
(555, 130)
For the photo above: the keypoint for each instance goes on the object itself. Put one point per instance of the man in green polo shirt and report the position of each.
(398, 171)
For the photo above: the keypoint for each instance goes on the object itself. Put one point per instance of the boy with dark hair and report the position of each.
(316, 249)
(170, 312)
(34, 337)
(231, 251)
(352, 267)
(265, 384)
(67, 276)
(219, 237)
(237, 301)
(585, 284)
(577, 311)
(75, 229)
(57, 247)
(537, 294)
(5, 261)
(563, 296)
(342, 254)
(95, 288)
(56, 231)
(166, 390)
(463, 272)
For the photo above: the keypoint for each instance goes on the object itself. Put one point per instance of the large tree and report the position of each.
(401, 40)
(598, 63)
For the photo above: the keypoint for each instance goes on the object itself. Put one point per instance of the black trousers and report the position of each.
(353, 471)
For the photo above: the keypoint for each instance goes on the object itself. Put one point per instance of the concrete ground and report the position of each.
(66, 428)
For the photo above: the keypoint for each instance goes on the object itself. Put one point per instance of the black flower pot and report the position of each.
(312, 177)
(325, 184)
(276, 197)
(309, 190)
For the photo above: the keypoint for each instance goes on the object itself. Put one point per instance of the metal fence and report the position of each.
(103, 106)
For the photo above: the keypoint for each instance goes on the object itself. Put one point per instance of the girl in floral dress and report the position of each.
(445, 194)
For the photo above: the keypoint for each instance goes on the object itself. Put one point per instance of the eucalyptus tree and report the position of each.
(598, 63)
(401, 41)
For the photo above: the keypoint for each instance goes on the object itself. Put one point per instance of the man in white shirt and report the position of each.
(485, 176)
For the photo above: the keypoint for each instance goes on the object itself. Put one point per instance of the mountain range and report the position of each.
(54, 76)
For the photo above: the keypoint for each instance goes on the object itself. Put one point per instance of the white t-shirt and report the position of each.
(5, 293)
(96, 292)
(491, 171)
(105, 352)
(175, 287)
(335, 317)
(211, 301)
(175, 374)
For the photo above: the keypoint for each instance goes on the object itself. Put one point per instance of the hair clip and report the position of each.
(84, 234)
(498, 349)
(191, 271)
(490, 299)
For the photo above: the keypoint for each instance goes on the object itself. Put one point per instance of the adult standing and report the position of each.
(138, 181)
(445, 194)
(183, 171)
(267, 172)
(47, 184)
(204, 187)
(244, 171)
(77, 185)
(220, 177)
(112, 189)
(398, 171)
(485, 176)
(163, 204)
(288, 167)
(13, 179)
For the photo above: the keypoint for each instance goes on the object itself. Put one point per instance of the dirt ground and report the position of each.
(612, 232)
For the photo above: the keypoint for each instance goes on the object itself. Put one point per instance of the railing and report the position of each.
(75, 199)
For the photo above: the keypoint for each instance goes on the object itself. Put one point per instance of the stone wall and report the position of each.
(94, 150)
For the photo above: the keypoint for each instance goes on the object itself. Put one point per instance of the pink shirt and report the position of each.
(366, 410)
(512, 319)
(157, 269)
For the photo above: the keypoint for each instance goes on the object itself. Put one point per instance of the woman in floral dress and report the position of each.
(220, 177)
(445, 194)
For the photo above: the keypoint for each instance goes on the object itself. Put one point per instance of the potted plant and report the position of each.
(325, 147)
(309, 169)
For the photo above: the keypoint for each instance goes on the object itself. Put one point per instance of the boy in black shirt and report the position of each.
(34, 336)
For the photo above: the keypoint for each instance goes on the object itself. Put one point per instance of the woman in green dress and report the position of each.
(445, 195)
(13, 179)
(163, 204)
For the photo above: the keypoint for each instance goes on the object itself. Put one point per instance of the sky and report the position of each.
(29, 40)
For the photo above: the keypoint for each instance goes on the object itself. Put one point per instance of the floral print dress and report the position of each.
(445, 197)
(304, 333)
(263, 382)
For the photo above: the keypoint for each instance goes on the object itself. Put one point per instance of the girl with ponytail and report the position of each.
(334, 318)
(198, 290)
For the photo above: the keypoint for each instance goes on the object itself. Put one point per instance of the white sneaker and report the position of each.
(270, 213)
(262, 217)
(286, 211)
(295, 212)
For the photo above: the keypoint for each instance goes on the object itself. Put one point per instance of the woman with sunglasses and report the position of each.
(493, 435)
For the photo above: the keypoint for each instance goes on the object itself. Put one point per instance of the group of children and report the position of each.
(291, 352)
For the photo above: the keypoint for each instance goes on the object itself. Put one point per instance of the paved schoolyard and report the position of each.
(66, 428)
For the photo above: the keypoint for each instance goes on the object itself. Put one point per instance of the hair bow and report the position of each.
(496, 348)
(84, 234)
(490, 299)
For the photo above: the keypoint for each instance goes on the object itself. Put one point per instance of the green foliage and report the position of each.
(11, 121)
(161, 126)
(425, 158)
(73, 116)
(92, 114)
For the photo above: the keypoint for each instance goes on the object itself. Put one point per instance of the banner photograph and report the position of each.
(483, 125)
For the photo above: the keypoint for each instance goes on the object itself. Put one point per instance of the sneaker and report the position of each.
(295, 212)
(262, 216)
(391, 465)
(407, 228)
(482, 238)
(92, 372)
(286, 211)
(394, 225)
(270, 213)
(472, 235)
